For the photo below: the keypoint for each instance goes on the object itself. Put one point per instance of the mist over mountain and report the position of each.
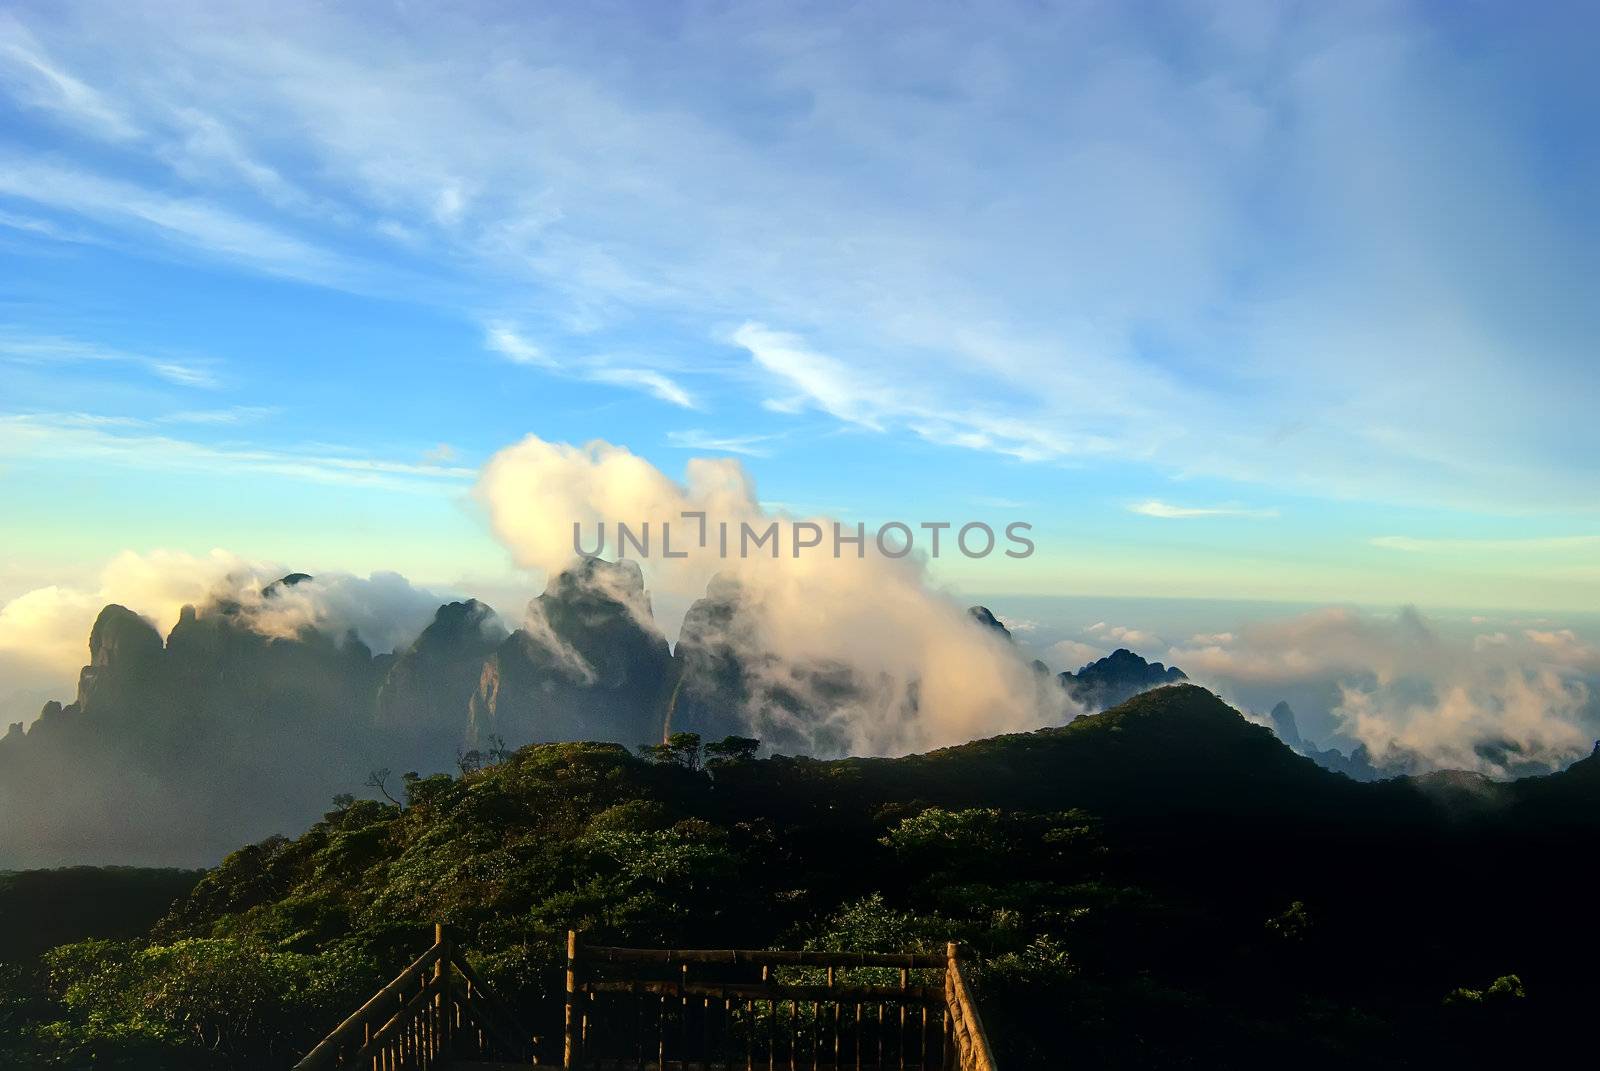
(1357, 765)
(263, 702)
(250, 713)
(437, 676)
(732, 679)
(173, 749)
(588, 663)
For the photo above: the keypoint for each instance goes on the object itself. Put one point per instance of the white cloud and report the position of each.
(503, 339)
(44, 633)
(927, 674)
(829, 384)
(1157, 274)
(1072, 655)
(653, 383)
(1417, 697)
(697, 439)
(192, 224)
(79, 437)
(38, 82)
(1123, 634)
(1155, 508)
(233, 414)
(911, 402)
(43, 227)
(27, 349)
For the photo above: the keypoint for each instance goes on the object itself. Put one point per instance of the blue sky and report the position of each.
(1277, 301)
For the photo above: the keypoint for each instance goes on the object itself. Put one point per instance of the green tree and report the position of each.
(679, 749)
(730, 750)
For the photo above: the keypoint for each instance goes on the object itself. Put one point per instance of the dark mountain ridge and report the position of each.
(176, 749)
(1161, 884)
(1117, 677)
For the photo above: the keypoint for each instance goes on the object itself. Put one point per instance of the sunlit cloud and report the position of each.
(1073, 655)
(1123, 634)
(1416, 696)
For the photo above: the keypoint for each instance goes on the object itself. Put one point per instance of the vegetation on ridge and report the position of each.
(1161, 885)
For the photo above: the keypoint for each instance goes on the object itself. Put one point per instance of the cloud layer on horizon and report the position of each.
(1494, 702)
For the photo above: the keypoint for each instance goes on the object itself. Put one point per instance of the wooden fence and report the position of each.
(434, 1012)
(656, 1009)
(764, 1010)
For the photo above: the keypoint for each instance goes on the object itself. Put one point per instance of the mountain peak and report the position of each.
(985, 617)
(1283, 720)
(1117, 677)
(458, 622)
(278, 586)
(120, 635)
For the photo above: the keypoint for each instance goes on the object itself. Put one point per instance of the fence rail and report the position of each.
(655, 1009)
(658, 1009)
(434, 1012)
(966, 1026)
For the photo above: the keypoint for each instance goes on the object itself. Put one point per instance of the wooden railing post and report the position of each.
(445, 1000)
(970, 1042)
(953, 1056)
(569, 1047)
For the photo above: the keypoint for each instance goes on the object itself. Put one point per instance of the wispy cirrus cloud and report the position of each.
(508, 341)
(1106, 632)
(131, 443)
(811, 379)
(1153, 507)
(194, 225)
(647, 380)
(505, 340)
(699, 439)
(25, 349)
(37, 81)
(818, 380)
(233, 414)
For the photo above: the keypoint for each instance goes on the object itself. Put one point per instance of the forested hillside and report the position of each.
(1161, 885)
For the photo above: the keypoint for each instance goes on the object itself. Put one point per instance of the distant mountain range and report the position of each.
(1115, 679)
(177, 749)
